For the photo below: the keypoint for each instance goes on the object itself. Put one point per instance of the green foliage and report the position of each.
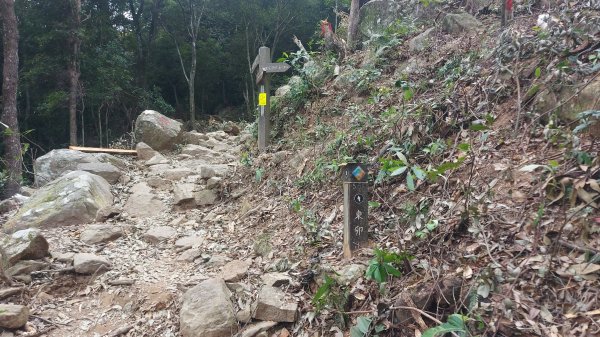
(330, 294)
(391, 167)
(455, 324)
(586, 119)
(246, 159)
(429, 228)
(382, 267)
(258, 174)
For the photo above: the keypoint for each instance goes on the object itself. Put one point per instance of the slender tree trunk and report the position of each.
(74, 73)
(192, 86)
(353, 23)
(10, 82)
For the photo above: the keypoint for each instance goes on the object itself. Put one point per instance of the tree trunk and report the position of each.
(74, 73)
(10, 82)
(353, 23)
(192, 86)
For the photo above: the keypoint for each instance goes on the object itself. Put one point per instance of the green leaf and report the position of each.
(478, 127)
(398, 171)
(363, 323)
(538, 72)
(408, 94)
(419, 173)
(420, 234)
(464, 147)
(378, 275)
(410, 182)
(455, 323)
(391, 270)
(374, 204)
(432, 225)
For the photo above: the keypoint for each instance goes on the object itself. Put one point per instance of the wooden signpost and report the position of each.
(263, 67)
(356, 207)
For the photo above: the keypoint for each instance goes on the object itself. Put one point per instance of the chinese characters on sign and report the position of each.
(356, 208)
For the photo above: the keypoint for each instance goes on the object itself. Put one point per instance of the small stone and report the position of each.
(205, 197)
(160, 234)
(13, 316)
(189, 242)
(275, 279)
(159, 183)
(235, 270)
(272, 305)
(63, 257)
(144, 152)
(177, 173)
(190, 255)
(217, 260)
(94, 234)
(257, 328)
(157, 159)
(244, 316)
(106, 213)
(85, 263)
(26, 267)
(183, 195)
(213, 183)
(207, 172)
(24, 244)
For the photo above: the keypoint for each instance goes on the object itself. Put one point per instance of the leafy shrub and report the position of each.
(381, 268)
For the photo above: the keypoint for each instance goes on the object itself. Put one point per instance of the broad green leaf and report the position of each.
(419, 173)
(391, 270)
(374, 204)
(398, 171)
(363, 323)
(410, 182)
(378, 275)
(538, 72)
(408, 94)
(432, 225)
(402, 157)
(456, 324)
(478, 127)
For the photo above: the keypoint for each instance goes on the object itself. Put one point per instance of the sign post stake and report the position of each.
(356, 207)
(263, 64)
(264, 57)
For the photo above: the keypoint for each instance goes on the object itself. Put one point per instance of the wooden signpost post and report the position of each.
(356, 207)
(263, 67)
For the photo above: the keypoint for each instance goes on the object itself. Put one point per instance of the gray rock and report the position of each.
(105, 170)
(460, 23)
(100, 233)
(272, 305)
(235, 270)
(143, 202)
(565, 103)
(13, 316)
(85, 263)
(377, 15)
(349, 274)
(244, 316)
(159, 183)
(200, 152)
(190, 255)
(106, 213)
(275, 279)
(217, 260)
(283, 90)
(213, 183)
(207, 311)
(421, 41)
(144, 152)
(177, 173)
(157, 130)
(205, 197)
(214, 170)
(160, 234)
(63, 257)
(183, 195)
(257, 328)
(56, 163)
(157, 159)
(189, 241)
(195, 138)
(8, 205)
(73, 199)
(26, 267)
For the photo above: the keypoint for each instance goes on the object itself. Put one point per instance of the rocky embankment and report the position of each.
(108, 245)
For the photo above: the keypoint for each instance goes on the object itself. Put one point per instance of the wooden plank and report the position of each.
(259, 76)
(276, 67)
(103, 150)
(255, 64)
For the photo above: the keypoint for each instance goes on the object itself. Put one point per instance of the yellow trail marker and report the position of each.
(262, 99)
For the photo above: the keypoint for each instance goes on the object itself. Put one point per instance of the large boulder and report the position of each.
(565, 103)
(72, 199)
(207, 311)
(13, 316)
(157, 130)
(58, 162)
(27, 244)
(460, 23)
(377, 15)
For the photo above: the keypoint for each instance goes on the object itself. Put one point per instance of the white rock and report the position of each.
(85, 263)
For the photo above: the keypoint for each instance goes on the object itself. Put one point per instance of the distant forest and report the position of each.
(108, 60)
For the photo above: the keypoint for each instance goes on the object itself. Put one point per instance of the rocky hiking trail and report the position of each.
(169, 230)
